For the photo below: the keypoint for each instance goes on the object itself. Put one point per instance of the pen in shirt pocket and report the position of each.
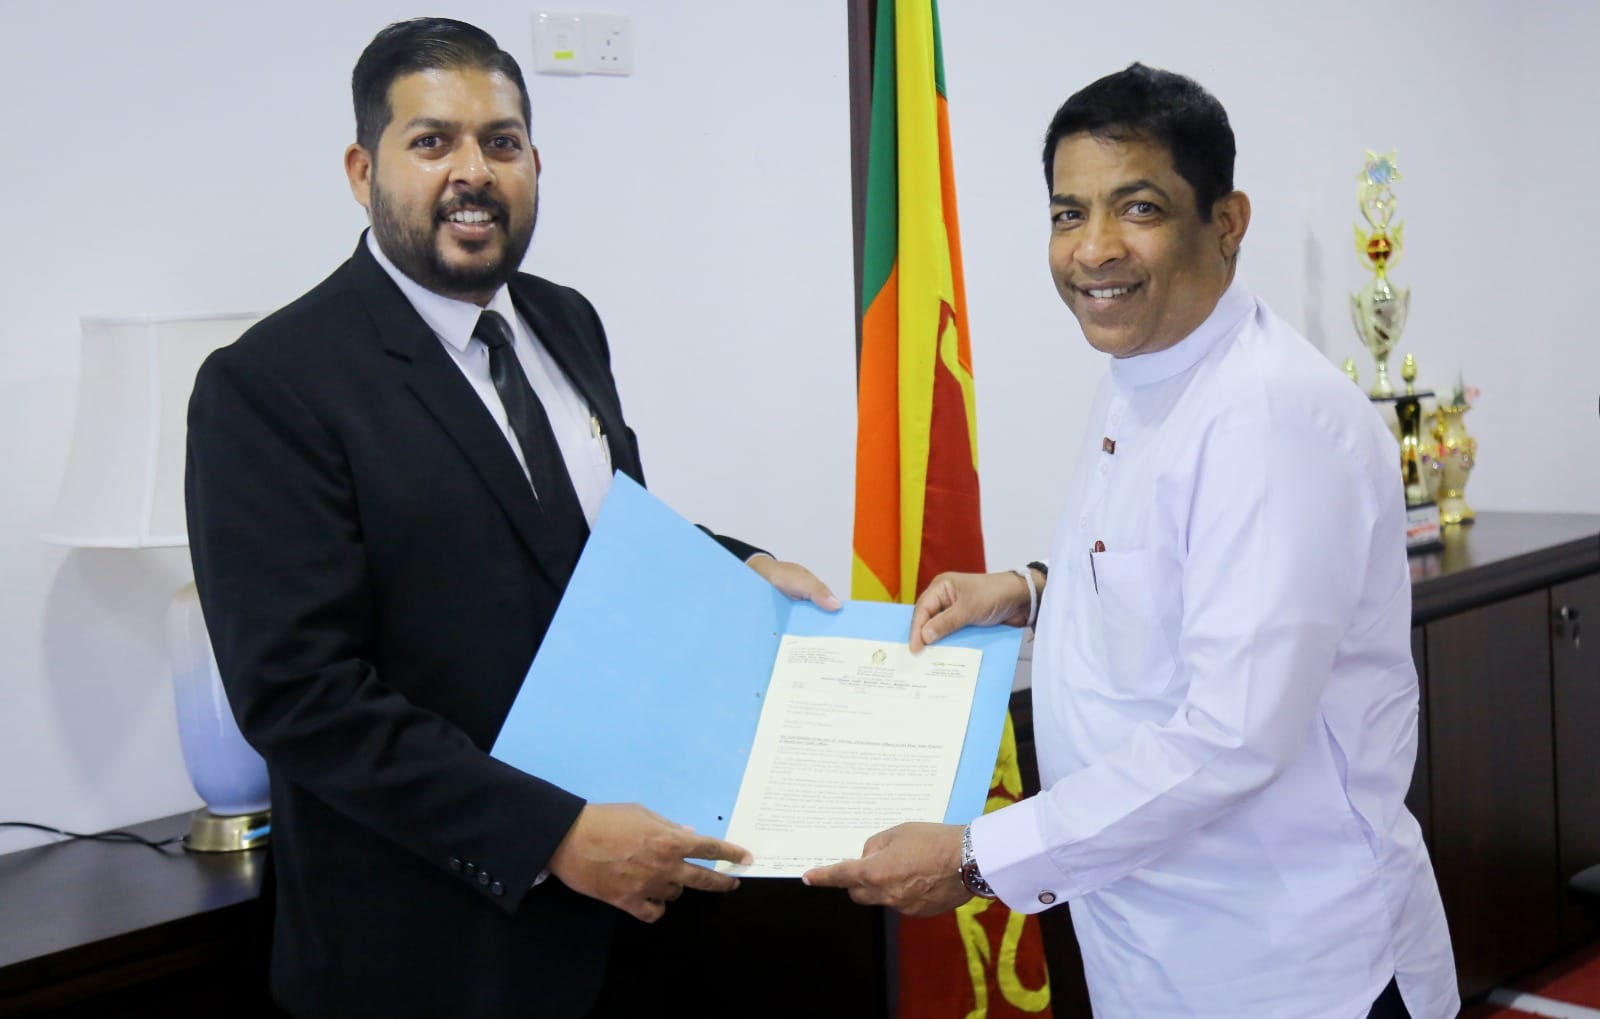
(1099, 546)
(600, 437)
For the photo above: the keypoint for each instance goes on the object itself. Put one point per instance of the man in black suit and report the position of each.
(389, 484)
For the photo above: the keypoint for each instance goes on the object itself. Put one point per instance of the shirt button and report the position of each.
(1105, 469)
(470, 869)
(455, 864)
(1083, 523)
(483, 878)
(497, 889)
(1048, 898)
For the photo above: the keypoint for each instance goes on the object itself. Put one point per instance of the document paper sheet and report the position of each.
(856, 736)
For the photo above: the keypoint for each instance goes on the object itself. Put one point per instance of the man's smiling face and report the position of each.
(453, 189)
(1129, 251)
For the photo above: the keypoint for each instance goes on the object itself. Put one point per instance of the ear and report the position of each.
(358, 168)
(538, 167)
(1231, 216)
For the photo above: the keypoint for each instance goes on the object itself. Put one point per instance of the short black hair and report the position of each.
(422, 44)
(1140, 102)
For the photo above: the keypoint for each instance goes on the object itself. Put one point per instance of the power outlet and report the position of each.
(607, 44)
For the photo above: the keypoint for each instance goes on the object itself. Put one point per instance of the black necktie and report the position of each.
(546, 469)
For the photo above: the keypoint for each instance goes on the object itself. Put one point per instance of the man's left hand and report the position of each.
(795, 581)
(912, 868)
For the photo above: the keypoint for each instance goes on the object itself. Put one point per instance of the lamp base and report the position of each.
(216, 833)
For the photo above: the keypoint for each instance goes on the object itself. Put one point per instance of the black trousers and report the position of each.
(1389, 1005)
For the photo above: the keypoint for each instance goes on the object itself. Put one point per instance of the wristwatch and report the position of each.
(971, 876)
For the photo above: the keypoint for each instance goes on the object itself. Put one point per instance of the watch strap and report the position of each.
(971, 876)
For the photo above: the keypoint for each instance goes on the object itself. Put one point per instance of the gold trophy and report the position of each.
(1379, 312)
(1379, 308)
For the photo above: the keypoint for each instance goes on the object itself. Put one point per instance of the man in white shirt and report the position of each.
(1224, 699)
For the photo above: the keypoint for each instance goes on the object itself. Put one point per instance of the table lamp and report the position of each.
(124, 489)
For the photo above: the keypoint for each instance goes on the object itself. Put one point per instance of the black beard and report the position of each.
(415, 251)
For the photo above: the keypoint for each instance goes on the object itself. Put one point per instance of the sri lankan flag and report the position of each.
(917, 469)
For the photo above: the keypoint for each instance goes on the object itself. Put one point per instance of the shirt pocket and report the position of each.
(1127, 604)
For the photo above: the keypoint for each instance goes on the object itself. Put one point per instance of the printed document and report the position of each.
(855, 736)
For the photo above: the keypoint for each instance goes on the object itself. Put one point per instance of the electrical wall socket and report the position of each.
(607, 44)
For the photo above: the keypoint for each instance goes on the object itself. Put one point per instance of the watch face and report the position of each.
(973, 879)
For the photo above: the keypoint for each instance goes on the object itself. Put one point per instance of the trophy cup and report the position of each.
(1379, 308)
(1379, 312)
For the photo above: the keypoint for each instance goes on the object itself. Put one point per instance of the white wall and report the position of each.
(186, 155)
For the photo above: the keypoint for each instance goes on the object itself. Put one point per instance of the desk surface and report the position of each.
(72, 896)
(1501, 556)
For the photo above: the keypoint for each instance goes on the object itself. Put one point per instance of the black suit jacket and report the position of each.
(376, 578)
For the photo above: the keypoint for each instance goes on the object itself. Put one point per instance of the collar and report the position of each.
(1142, 369)
(451, 320)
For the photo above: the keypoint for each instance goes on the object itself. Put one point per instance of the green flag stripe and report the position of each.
(883, 200)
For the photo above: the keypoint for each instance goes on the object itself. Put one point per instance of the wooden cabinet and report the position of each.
(1507, 764)
(1575, 675)
(1492, 779)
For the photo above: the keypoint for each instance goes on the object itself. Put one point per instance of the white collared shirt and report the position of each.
(1225, 704)
(583, 448)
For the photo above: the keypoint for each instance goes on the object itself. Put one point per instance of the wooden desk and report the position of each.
(93, 928)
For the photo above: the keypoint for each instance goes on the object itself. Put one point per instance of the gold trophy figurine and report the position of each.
(1379, 308)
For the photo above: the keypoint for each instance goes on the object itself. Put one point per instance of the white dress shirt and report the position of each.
(583, 447)
(1225, 704)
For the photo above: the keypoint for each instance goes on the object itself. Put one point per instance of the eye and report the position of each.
(427, 141)
(505, 143)
(1066, 217)
(1143, 208)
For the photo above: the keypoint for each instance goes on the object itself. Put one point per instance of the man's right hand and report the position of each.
(954, 600)
(636, 860)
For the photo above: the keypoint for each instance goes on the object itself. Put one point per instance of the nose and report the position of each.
(471, 168)
(1100, 241)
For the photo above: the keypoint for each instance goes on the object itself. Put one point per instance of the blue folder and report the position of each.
(649, 684)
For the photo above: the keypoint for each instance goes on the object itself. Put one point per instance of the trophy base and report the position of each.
(1454, 510)
(1422, 528)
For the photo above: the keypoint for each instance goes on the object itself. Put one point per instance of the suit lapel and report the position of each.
(438, 383)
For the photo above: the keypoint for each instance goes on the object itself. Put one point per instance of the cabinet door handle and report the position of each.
(1567, 622)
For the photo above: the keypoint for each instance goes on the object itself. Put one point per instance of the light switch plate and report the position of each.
(558, 43)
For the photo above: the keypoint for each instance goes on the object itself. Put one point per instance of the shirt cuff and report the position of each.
(1013, 858)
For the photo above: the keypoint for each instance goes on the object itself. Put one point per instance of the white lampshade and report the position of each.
(124, 482)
